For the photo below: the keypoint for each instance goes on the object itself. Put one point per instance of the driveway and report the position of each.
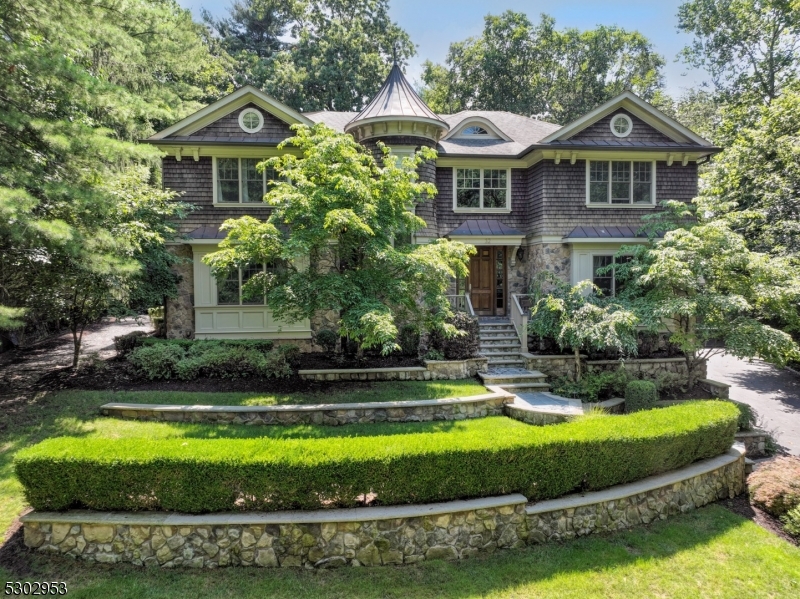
(773, 393)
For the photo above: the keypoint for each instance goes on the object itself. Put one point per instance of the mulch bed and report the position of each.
(319, 360)
(741, 505)
(696, 392)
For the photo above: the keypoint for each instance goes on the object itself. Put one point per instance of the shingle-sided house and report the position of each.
(530, 195)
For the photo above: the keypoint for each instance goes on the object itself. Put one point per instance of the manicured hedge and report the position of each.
(485, 457)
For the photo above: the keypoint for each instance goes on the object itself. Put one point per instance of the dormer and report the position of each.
(477, 128)
(397, 110)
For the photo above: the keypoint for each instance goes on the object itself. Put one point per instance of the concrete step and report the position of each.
(508, 351)
(524, 387)
(506, 363)
(493, 326)
(500, 345)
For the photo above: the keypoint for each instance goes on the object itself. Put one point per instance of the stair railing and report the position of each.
(468, 304)
(519, 318)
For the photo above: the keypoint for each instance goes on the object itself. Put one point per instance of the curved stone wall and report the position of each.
(453, 408)
(377, 535)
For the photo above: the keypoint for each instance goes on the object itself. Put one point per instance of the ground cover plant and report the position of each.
(775, 488)
(399, 463)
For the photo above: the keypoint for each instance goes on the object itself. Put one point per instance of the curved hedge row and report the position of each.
(487, 457)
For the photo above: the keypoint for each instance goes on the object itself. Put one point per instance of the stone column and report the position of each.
(179, 312)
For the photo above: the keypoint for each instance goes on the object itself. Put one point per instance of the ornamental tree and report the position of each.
(339, 237)
(580, 318)
(714, 295)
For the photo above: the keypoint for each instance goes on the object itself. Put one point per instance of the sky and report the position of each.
(434, 24)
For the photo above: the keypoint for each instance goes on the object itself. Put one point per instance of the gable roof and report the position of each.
(224, 106)
(638, 107)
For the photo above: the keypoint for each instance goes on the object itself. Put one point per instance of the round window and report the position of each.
(621, 125)
(251, 120)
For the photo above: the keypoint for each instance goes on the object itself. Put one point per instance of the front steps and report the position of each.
(499, 343)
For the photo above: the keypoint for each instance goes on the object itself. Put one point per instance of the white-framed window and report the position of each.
(474, 130)
(620, 182)
(621, 125)
(482, 189)
(607, 281)
(237, 181)
(251, 120)
(229, 287)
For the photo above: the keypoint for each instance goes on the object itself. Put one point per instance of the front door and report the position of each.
(487, 281)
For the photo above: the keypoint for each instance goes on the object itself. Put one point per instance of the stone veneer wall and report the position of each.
(553, 257)
(650, 369)
(461, 408)
(552, 366)
(434, 370)
(377, 536)
(179, 313)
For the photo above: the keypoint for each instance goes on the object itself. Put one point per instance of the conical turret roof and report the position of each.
(397, 101)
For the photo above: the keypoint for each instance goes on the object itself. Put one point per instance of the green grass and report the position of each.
(710, 553)
(348, 393)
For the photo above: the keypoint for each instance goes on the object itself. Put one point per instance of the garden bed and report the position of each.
(320, 361)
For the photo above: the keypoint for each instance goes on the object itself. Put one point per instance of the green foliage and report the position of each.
(640, 395)
(336, 191)
(312, 54)
(748, 47)
(748, 417)
(409, 340)
(592, 386)
(491, 456)
(187, 360)
(775, 485)
(713, 294)
(536, 70)
(327, 340)
(580, 318)
(434, 355)
(791, 522)
(461, 345)
(125, 344)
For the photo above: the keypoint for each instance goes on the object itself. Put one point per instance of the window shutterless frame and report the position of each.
(481, 190)
(620, 183)
(237, 178)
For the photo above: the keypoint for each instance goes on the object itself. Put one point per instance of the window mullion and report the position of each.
(630, 186)
(239, 161)
(610, 178)
(480, 171)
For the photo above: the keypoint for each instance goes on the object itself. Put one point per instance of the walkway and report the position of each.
(773, 393)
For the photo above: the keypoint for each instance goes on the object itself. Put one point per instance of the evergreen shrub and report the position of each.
(461, 346)
(412, 464)
(640, 395)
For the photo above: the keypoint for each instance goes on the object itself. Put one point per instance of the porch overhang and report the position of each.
(486, 232)
(605, 234)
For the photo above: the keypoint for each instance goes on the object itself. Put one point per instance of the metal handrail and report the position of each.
(468, 303)
(519, 319)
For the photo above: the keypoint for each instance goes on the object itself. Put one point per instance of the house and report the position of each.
(530, 195)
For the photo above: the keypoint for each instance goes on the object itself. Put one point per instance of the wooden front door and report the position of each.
(487, 279)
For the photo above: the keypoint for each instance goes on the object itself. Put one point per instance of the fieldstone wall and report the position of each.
(553, 257)
(455, 535)
(552, 366)
(433, 371)
(179, 313)
(480, 406)
(651, 369)
(534, 416)
(756, 442)
(546, 525)
(456, 369)
(377, 536)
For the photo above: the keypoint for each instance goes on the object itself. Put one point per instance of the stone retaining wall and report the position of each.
(380, 535)
(453, 408)
(535, 416)
(651, 369)
(556, 366)
(756, 442)
(433, 371)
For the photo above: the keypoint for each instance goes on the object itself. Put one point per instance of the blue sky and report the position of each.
(434, 24)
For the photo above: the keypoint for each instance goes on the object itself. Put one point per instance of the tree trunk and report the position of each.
(691, 364)
(77, 338)
(577, 364)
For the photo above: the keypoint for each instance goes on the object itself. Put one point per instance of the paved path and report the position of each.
(773, 393)
(22, 368)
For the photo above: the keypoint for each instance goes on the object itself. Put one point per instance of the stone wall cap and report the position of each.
(331, 407)
(609, 403)
(361, 514)
(750, 434)
(472, 359)
(531, 356)
(635, 361)
(361, 370)
(713, 382)
(651, 483)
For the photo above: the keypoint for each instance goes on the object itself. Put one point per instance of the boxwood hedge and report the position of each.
(484, 458)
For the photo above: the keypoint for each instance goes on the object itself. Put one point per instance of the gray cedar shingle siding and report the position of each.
(449, 220)
(601, 131)
(195, 180)
(564, 197)
(228, 127)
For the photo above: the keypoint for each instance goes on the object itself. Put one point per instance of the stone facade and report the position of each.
(553, 366)
(545, 525)
(377, 536)
(179, 313)
(480, 406)
(553, 257)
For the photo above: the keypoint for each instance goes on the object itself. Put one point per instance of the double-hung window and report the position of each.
(482, 189)
(237, 181)
(229, 286)
(606, 280)
(620, 182)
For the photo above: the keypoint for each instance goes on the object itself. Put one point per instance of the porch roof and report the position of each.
(483, 227)
(587, 233)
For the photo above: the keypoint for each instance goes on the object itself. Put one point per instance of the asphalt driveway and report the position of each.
(773, 393)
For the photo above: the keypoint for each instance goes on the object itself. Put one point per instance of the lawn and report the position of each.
(336, 393)
(708, 553)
